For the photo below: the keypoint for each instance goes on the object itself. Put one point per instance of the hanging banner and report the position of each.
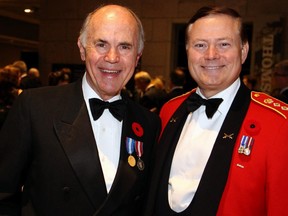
(268, 51)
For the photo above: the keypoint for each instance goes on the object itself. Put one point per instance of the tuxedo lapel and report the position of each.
(126, 175)
(171, 134)
(122, 185)
(76, 136)
(216, 172)
(162, 164)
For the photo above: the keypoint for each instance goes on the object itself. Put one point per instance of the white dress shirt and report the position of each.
(194, 148)
(107, 132)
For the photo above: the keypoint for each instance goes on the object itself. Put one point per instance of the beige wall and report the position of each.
(61, 21)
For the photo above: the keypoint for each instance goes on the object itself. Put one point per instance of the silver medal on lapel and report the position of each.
(139, 152)
(246, 145)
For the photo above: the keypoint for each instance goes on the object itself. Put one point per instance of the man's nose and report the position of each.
(212, 52)
(112, 56)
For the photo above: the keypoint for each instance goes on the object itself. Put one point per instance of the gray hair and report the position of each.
(141, 36)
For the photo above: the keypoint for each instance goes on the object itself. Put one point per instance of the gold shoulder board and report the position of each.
(270, 102)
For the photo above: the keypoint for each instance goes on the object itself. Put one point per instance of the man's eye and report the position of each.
(100, 45)
(224, 44)
(125, 47)
(199, 45)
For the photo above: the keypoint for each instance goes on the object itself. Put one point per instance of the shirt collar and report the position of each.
(227, 95)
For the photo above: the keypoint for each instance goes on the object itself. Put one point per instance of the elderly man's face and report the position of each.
(111, 53)
(215, 52)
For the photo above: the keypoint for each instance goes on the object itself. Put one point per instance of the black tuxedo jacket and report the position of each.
(47, 145)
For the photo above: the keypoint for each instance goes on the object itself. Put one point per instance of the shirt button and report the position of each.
(66, 189)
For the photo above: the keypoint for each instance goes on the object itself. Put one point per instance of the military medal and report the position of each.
(246, 145)
(130, 145)
(140, 164)
(139, 152)
(132, 161)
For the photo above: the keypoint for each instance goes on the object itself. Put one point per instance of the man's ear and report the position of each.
(81, 49)
(244, 52)
(138, 57)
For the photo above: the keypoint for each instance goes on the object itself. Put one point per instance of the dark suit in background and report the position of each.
(153, 98)
(177, 82)
(280, 80)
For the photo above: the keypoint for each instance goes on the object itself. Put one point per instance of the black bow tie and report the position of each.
(116, 108)
(194, 101)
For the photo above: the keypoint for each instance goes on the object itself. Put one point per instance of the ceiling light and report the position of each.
(28, 10)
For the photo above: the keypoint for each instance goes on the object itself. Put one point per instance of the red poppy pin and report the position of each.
(137, 129)
(252, 127)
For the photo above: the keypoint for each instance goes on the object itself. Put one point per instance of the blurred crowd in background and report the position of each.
(149, 91)
(16, 77)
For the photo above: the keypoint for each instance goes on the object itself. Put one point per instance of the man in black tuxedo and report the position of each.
(58, 154)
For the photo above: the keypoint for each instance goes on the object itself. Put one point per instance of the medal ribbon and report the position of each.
(139, 148)
(130, 145)
(246, 145)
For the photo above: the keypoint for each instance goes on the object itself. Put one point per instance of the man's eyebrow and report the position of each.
(126, 44)
(100, 40)
(225, 38)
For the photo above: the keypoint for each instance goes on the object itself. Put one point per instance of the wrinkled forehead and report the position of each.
(112, 20)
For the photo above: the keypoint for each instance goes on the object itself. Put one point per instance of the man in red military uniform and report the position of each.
(226, 154)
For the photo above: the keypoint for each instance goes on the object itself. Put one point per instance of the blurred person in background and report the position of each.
(280, 80)
(177, 82)
(250, 82)
(152, 91)
(60, 77)
(23, 76)
(33, 79)
(131, 91)
(8, 90)
(142, 81)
